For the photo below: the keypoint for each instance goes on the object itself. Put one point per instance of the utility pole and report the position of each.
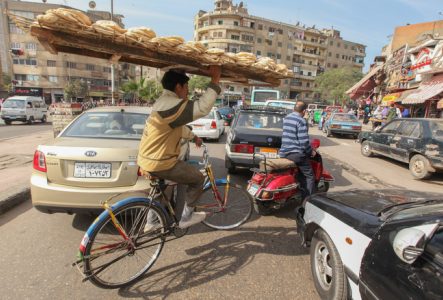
(112, 64)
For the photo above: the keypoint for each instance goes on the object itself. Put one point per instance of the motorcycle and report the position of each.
(274, 184)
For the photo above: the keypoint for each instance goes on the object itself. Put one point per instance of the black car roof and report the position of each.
(262, 108)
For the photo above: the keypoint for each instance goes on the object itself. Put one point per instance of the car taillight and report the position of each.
(356, 127)
(213, 125)
(39, 161)
(242, 148)
(335, 126)
(229, 116)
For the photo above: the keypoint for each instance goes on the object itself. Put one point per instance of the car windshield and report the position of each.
(437, 129)
(417, 211)
(345, 118)
(119, 125)
(209, 116)
(14, 103)
(255, 120)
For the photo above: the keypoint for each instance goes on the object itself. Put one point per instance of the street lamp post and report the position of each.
(112, 64)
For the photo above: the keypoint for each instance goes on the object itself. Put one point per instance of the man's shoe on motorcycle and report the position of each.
(195, 218)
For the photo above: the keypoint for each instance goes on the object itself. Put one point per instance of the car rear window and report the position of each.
(107, 125)
(345, 118)
(209, 116)
(260, 121)
(14, 103)
(437, 129)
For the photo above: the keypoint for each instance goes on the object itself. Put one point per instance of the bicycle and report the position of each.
(116, 251)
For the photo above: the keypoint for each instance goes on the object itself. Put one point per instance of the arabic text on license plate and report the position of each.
(253, 189)
(92, 170)
(268, 152)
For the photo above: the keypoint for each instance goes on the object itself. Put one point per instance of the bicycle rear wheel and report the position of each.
(237, 211)
(110, 261)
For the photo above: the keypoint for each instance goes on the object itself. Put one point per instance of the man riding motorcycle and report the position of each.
(160, 144)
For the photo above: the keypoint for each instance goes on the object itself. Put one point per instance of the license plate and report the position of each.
(198, 127)
(346, 127)
(268, 152)
(92, 170)
(253, 188)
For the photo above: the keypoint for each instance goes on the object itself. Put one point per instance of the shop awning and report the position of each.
(364, 85)
(426, 91)
(440, 104)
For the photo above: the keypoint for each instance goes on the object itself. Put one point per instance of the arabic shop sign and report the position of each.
(28, 91)
(422, 61)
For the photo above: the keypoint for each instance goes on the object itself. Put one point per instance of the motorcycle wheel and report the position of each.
(262, 209)
(322, 187)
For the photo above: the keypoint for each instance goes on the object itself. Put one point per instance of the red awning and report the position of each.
(365, 85)
(426, 91)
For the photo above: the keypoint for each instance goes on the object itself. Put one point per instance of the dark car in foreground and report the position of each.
(227, 113)
(418, 142)
(255, 129)
(385, 244)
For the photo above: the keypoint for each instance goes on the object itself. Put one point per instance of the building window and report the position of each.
(280, 31)
(235, 23)
(31, 46)
(247, 38)
(309, 73)
(220, 22)
(270, 54)
(258, 52)
(279, 44)
(308, 84)
(13, 29)
(269, 42)
(288, 57)
(346, 46)
(271, 29)
(90, 67)
(337, 55)
(331, 43)
(308, 95)
(335, 66)
(310, 62)
(51, 63)
(15, 46)
(52, 78)
(330, 54)
(353, 48)
(107, 69)
(214, 34)
(26, 62)
(338, 45)
(220, 34)
(71, 65)
(260, 26)
(278, 56)
(235, 37)
(342, 57)
(259, 40)
(329, 65)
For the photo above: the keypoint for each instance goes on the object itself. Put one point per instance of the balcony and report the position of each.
(305, 77)
(314, 44)
(307, 54)
(225, 27)
(225, 40)
(304, 64)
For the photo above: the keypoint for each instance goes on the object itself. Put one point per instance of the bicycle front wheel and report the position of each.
(111, 261)
(234, 213)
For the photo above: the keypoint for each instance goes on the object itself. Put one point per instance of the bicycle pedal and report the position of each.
(179, 232)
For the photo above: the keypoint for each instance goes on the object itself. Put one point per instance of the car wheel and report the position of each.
(7, 122)
(30, 120)
(327, 268)
(230, 166)
(366, 149)
(322, 186)
(419, 167)
(355, 136)
(262, 209)
(44, 119)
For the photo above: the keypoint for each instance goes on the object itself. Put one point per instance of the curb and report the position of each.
(15, 199)
(362, 175)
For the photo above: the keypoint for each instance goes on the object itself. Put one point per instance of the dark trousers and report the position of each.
(306, 175)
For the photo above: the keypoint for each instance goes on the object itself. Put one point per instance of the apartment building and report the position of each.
(306, 50)
(33, 68)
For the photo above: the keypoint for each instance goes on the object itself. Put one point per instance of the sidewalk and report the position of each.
(16, 155)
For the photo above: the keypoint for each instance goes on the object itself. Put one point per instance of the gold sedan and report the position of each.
(92, 159)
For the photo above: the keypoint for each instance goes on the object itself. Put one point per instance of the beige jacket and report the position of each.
(160, 144)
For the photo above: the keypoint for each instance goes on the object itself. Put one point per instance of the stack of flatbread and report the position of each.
(213, 55)
(282, 69)
(245, 58)
(141, 36)
(265, 63)
(64, 17)
(168, 43)
(193, 49)
(228, 58)
(108, 28)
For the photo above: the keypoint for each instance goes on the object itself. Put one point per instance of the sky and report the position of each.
(370, 23)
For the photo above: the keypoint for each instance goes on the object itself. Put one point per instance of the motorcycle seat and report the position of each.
(276, 164)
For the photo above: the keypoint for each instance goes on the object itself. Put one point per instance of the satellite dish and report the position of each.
(92, 4)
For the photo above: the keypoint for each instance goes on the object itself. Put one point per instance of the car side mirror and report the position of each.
(409, 244)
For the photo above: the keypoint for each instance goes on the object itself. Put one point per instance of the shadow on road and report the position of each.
(224, 256)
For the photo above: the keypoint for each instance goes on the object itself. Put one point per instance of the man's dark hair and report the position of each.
(172, 78)
(300, 106)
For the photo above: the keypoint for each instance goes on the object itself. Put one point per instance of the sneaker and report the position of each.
(151, 222)
(148, 227)
(195, 218)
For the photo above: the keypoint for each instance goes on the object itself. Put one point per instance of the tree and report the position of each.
(333, 83)
(76, 89)
(7, 83)
(198, 83)
(144, 89)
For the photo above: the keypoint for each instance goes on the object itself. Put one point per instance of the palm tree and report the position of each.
(144, 89)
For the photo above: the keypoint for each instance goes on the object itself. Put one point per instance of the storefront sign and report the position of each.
(28, 91)
(422, 61)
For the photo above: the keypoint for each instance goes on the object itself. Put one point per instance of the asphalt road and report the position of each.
(19, 129)
(262, 259)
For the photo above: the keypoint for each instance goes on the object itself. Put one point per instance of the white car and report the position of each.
(211, 126)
